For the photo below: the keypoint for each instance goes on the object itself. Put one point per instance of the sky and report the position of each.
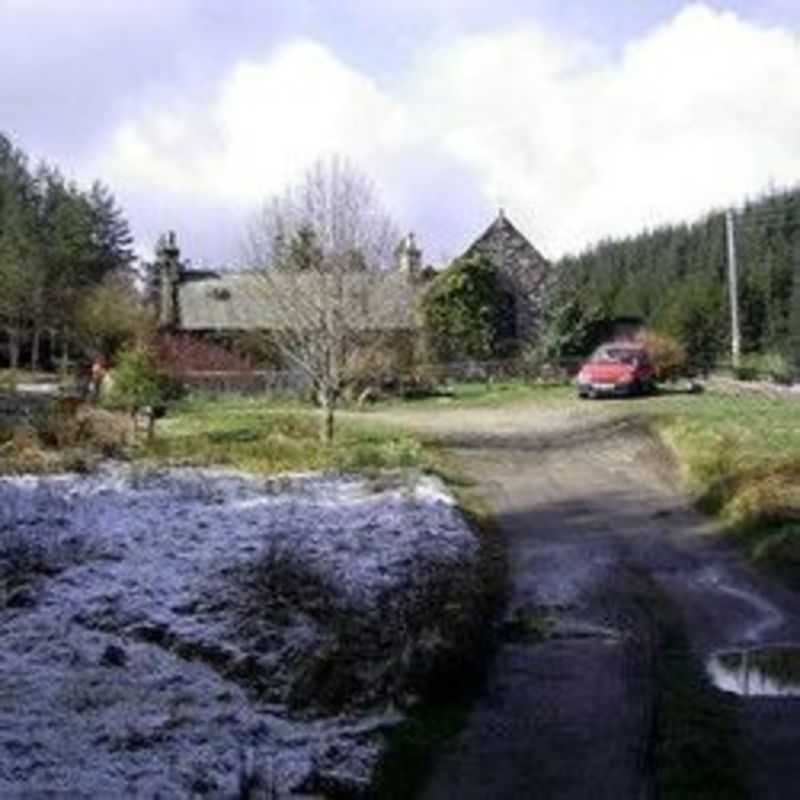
(582, 119)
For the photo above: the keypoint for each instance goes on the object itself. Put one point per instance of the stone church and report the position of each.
(225, 302)
(523, 272)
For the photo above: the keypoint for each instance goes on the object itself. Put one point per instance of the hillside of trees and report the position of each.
(675, 279)
(60, 248)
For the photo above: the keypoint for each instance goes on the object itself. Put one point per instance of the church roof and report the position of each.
(504, 240)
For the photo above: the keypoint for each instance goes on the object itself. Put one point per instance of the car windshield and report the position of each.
(619, 355)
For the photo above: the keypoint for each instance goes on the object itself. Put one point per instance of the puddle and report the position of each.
(524, 627)
(770, 671)
(537, 626)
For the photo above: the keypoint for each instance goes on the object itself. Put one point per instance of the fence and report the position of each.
(288, 381)
(721, 378)
(246, 383)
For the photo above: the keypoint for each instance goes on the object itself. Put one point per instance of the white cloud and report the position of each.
(267, 122)
(698, 113)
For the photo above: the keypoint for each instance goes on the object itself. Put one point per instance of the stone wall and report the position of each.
(523, 273)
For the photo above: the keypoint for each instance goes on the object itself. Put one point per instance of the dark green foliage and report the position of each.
(697, 317)
(793, 322)
(675, 278)
(138, 381)
(462, 311)
(56, 241)
(112, 238)
(574, 322)
(138, 384)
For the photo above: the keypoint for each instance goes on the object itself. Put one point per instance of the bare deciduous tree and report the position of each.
(322, 249)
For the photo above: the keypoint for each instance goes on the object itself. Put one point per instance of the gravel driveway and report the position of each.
(589, 509)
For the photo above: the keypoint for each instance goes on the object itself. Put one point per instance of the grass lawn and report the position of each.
(758, 429)
(740, 460)
(270, 436)
(728, 447)
(483, 393)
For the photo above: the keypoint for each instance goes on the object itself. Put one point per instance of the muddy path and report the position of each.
(590, 512)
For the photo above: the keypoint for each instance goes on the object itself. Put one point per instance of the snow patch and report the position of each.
(136, 666)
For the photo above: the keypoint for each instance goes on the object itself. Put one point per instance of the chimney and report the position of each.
(169, 269)
(409, 256)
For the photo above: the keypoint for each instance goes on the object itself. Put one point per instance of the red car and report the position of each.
(616, 370)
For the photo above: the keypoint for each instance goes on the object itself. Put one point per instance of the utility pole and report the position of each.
(733, 289)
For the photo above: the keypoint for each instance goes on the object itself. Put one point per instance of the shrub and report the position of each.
(749, 368)
(667, 355)
(353, 654)
(462, 311)
(391, 366)
(762, 366)
(59, 439)
(138, 383)
(777, 367)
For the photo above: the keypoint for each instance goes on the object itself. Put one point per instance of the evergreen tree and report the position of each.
(56, 242)
(17, 278)
(111, 234)
(675, 278)
(793, 324)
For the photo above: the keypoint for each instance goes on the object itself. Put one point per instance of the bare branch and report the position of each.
(323, 251)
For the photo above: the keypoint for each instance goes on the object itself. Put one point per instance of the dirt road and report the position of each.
(590, 512)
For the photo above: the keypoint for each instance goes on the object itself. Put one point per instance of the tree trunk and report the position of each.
(64, 354)
(151, 425)
(328, 411)
(13, 348)
(35, 349)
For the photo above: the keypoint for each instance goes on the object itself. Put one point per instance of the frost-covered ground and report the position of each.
(165, 632)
